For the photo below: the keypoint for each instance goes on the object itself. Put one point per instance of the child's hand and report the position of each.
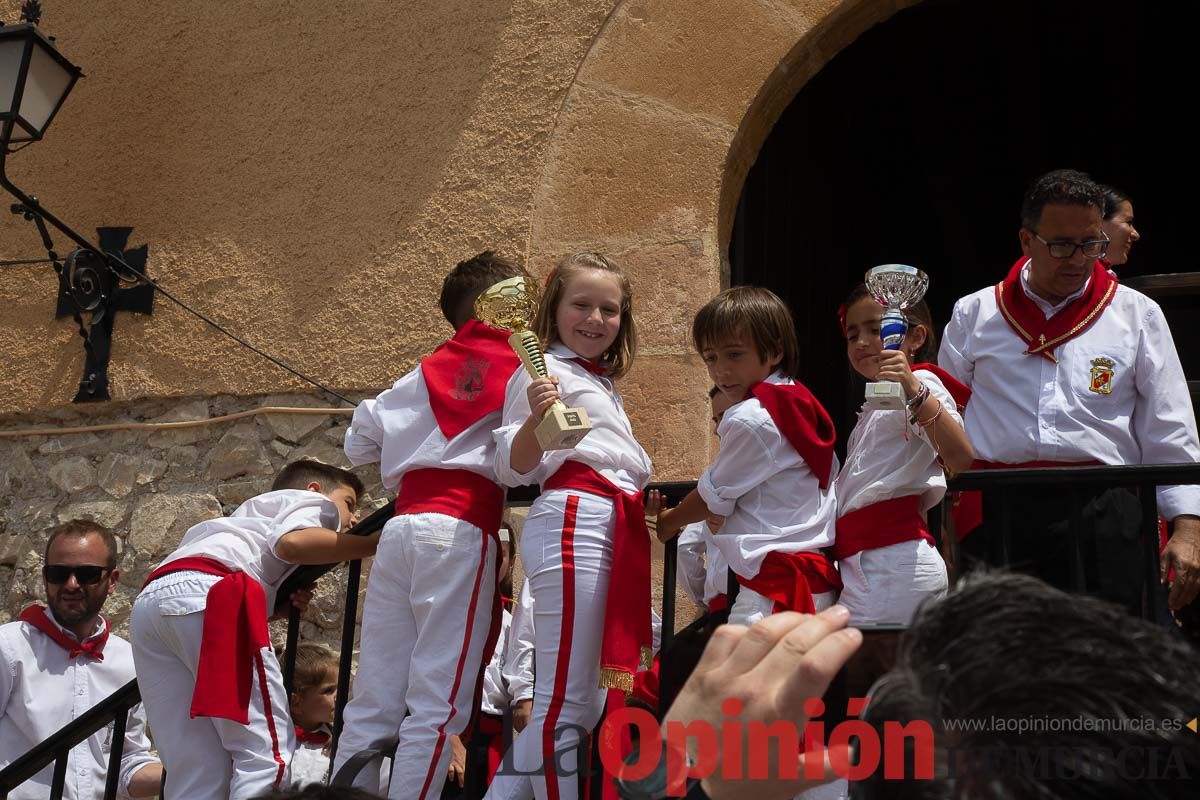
(714, 522)
(457, 771)
(893, 366)
(299, 600)
(521, 714)
(654, 506)
(668, 529)
(542, 394)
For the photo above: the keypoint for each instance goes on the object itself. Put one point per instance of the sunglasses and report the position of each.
(84, 576)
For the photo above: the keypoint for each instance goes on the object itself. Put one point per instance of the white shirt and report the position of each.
(41, 690)
(309, 762)
(1028, 408)
(246, 539)
(517, 666)
(496, 695)
(609, 448)
(769, 497)
(881, 464)
(398, 430)
(703, 571)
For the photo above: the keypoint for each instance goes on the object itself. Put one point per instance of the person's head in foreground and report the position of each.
(1034, 693)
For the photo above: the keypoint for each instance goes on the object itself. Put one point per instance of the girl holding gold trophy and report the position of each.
(584, 546)
(894, 466)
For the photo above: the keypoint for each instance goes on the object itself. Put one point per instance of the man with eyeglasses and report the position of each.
(59, 660)
(1067, 367)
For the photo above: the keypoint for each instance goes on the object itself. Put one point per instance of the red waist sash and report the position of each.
(880, 524)
(227, 657)
(967, 507)
(791, 580)
(457, 493)
(627, 632)
(718, 603)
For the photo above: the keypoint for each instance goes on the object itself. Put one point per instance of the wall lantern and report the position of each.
(98, 280)
(35, 79)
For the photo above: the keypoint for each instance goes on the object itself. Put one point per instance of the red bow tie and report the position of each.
(594, 366)
(36, 616)
(311, 737)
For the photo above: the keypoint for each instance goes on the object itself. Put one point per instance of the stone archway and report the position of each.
(647, 159)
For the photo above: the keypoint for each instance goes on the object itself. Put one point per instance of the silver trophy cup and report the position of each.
(896, 287)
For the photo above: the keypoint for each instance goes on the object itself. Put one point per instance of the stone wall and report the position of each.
(150, 486)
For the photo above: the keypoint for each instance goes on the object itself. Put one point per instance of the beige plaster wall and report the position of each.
(304, 172)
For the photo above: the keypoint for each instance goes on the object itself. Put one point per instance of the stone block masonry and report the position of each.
(150, 486)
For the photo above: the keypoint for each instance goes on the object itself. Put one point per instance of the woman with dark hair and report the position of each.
(1118, 226)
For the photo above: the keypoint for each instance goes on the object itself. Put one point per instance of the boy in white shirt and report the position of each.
(773, 477)
(211, 684)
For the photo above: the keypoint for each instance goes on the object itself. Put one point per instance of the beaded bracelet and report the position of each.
(918, 399)
(932, 419)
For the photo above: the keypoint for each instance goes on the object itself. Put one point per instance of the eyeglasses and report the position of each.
(1093, 249)
(85, 576)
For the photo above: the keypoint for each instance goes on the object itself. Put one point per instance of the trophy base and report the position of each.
(885, 395)
(562, 428)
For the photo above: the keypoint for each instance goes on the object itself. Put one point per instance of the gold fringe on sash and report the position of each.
(612, 678)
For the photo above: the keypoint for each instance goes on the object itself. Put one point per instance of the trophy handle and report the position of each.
(529, 350)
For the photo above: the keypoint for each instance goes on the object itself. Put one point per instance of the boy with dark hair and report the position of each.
(773, 477)
(211, 684)
(430, 616)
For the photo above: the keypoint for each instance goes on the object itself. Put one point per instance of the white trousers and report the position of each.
(887, 585)
(566, 549)
(205, 758)
(425, 623)
(750, 606)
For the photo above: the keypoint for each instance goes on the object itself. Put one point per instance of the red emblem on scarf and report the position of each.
(467, 376)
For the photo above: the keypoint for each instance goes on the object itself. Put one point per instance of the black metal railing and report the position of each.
(995, 485)
(113, 710)
(1077, 485)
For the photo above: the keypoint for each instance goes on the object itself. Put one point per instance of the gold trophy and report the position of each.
(511, 305)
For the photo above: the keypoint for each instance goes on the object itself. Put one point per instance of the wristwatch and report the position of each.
(654, 785)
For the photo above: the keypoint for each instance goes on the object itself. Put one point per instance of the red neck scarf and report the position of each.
(93, 648)
(594, 365)
(311, 737)
(957, 389)
(467, 375)
(803, 421)
(1040, 335)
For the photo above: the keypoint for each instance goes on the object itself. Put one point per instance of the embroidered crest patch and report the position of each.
(468, 383)
(1102, 375)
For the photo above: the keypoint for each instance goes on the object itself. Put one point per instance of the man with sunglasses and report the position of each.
(1067, 367)
(59, 660)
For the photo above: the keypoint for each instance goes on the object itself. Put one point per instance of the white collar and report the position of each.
(101, 624)
(1047, 308)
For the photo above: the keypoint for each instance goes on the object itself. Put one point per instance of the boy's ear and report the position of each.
(775, 357)
(313, 486)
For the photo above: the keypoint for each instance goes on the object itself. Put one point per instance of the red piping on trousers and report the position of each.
(462, 661)
(266, 696)
(564, 646)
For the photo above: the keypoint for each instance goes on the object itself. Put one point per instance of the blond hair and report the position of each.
(620, 355)
(313, 662)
